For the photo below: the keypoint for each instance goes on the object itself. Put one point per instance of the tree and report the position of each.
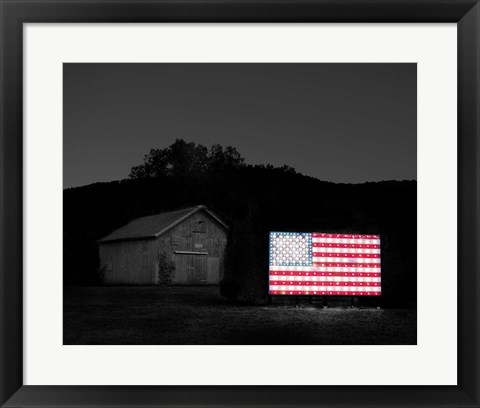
(187, 159)
(154, 164)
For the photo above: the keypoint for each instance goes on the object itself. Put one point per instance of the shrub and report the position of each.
(100, 274)
(165, 270)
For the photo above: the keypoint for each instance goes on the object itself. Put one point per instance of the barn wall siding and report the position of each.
(128, 262)
(135, 261)
(198, 233)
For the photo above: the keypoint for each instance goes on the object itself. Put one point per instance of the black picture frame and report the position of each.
(465, 13)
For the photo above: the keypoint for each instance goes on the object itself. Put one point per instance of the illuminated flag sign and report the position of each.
(324, 264)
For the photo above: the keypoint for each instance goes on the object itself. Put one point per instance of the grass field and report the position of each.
(199, 315)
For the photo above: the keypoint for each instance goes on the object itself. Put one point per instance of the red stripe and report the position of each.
(327, 283)
(318, 244)
(351, 236)
(302, 292)
(302, 273)
(344, 255)
(347, 265)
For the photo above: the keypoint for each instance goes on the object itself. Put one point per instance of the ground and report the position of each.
(199, 315)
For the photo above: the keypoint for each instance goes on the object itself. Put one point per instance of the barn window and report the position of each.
(200, 227)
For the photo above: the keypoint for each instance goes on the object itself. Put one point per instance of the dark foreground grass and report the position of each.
(199, 315)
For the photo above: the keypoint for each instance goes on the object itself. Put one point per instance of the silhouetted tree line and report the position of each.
(187, 159)
(253, 200)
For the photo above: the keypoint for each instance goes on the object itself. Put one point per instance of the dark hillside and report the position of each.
(253, 200)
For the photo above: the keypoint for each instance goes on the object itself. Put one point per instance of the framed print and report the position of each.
(239, 203)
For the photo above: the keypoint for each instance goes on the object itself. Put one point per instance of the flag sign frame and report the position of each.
(316, 263)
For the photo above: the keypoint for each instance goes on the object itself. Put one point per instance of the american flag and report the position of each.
(324, 264)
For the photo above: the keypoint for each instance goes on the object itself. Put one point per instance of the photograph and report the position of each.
(191, 191)
(239, 204)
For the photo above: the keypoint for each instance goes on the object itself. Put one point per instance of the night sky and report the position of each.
(347, 123)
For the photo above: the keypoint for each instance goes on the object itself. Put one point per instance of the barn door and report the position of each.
(190, 269)
(213, 267)
(197, 270)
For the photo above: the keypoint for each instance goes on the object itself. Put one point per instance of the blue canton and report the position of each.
(290, 249)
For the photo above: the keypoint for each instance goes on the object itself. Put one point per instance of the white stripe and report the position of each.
(324, 278)
(347, 250)
(324, 269)
(337, 259)
(287, 288)
(355, 241)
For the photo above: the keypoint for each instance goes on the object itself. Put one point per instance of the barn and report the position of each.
(191, 240)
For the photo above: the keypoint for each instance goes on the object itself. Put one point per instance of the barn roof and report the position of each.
(153, 226)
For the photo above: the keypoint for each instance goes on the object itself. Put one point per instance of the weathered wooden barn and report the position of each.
(192, 240)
